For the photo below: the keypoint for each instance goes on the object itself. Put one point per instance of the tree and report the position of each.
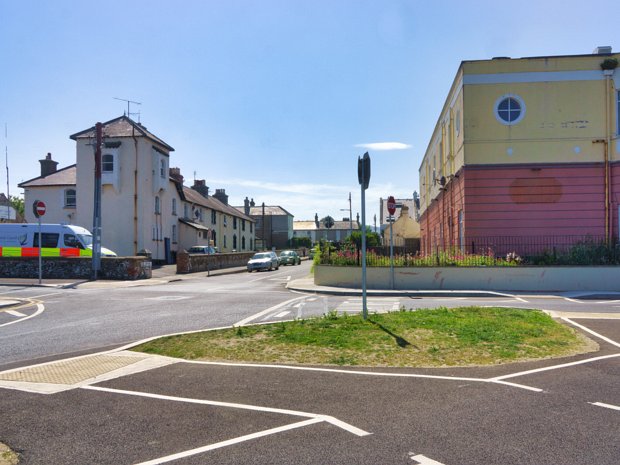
(372, 239)
(18, 204)
(328, 221)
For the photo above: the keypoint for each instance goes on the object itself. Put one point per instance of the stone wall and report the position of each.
(194, 263)
(117, 268)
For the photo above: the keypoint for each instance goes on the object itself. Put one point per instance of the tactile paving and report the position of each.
(72, 371)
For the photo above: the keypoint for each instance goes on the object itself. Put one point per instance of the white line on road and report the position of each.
(313, 418)
(553, 367)
(365, 373)
(588, 330)
(422, 460)
(282, 314)
(14, 313)
(230, 442)
(609, 406)
(40, 309)
(270, 309)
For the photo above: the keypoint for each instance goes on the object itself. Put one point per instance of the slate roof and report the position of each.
(122, 126)
(270, 210)
(198, 226)
(311, 225)
(190, 195)
(63, 177)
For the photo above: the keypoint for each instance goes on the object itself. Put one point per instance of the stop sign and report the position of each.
(38, 208)
(391, 205)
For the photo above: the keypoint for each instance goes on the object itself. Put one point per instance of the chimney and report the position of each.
(220, 194)
(175, 173)
(252, 203)
(201, 187)
(246, 206)
(48, 166)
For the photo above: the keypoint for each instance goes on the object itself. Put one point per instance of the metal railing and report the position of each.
(488, 251)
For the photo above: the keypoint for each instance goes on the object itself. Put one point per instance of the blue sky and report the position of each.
(274, 100)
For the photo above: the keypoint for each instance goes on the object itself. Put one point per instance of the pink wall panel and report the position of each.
(524, 200)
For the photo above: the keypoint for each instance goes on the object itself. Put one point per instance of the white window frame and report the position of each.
(66, 197)
(522, 111)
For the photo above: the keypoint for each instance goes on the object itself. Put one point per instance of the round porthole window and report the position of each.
(509, 109)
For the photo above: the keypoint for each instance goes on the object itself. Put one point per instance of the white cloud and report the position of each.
(382, 146)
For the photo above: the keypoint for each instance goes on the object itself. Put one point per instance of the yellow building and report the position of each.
(525, 150)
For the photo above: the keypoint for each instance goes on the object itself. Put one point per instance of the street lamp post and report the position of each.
(350, 215)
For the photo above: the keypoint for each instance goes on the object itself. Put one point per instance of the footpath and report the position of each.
(167, 274)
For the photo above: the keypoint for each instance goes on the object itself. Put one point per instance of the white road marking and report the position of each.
(609, 406)
(373, 304)
(588, 330)
(14, 313)
(40, 309)
(245, 321)
(282, 314)
(422, 460)
(312, 419)
(311, 299)
(288, 278)
(230, 442)
(366, 373)
(554, 367)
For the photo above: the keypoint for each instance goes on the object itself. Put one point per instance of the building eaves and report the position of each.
(212, 203)
(191, 224)
(63, 177)
(122, 126)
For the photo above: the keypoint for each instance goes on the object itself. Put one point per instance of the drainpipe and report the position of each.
(135, 192)
(608, 120)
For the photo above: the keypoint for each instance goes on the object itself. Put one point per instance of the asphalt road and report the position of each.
(548, 412)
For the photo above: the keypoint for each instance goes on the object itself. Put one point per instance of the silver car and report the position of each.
(263, 261)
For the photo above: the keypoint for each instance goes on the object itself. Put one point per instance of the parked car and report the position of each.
(311, 253)
(263, 261)
(289, 257)
(203, 249)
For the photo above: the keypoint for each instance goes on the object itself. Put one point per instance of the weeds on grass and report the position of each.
(427, 337)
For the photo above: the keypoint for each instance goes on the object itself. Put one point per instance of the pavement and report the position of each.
(167, 273)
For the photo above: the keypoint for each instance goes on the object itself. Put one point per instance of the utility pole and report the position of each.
(97, 202)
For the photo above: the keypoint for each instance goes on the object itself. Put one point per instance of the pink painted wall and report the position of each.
(523, 201)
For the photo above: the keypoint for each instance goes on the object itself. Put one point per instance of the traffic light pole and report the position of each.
(364, 306)
(363, 176)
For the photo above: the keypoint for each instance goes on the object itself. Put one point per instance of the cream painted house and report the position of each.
(144, 203)
(525, 149)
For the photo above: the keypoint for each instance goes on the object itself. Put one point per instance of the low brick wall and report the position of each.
(501, 278)
(117, 268)
(194, 263)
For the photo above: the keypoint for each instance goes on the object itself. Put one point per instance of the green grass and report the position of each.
(423, 338)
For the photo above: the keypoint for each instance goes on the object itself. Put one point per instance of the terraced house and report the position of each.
(525, 149)
(145, 205)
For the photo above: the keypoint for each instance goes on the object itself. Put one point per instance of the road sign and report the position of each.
(363, 170)
(391, 205)
(38, 208)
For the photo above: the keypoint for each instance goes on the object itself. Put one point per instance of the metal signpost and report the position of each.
(363, 176)
(38, 208)
(391, 206)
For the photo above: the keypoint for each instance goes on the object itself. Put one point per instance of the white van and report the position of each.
(53, 236)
